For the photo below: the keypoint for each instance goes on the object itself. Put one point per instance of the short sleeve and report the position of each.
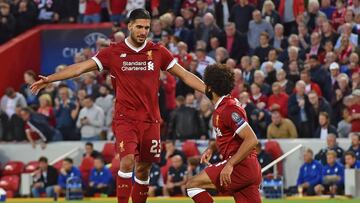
(167, 59)
(102, 58)
(235, 119)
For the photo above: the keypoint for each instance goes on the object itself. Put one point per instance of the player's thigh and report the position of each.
(150, 143)
(126, 135)
(249, 194)
(201, 180)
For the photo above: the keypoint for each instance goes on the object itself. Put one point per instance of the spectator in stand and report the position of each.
(278, 100)
(221, 55)
(247, 104)
(91, 120)
(355, 111)
(247, 70)
(168, 82)
(350, 161)
(45, 178)
(289, 12)
(100, 180)
(300, 111)
(25, 15)
(287, 86)
(203, 8)
(185, 122)
(273, 57)
(324, 128)
(119, 37)
(355, 145)
(331, 146)
(327, 8)
(344, 126)
(222, 12)
(264, 158)
(241, 15)
(310, 174)
(90, 85)
(328, 33)
(319, 104)
(203, 60)
(11, 121)
(315, 49)
(259, 78)
(347, 33)
(259, 120)
(345, 49)
(355, 7)
(205, 114)
(338, 16)
(304, 35)
(66, 112)
(279, 41)
(92, 11)
(235, 42)
(261, 51)
(258, 98)
(280, 127)
(256, 27)
(270, 14)
(182, 32)
(90, 151)
(29, 78)
(311, 15)
(46, 109)
(305, 76)
(176, 177)
(46, 11)
(332, 176)
(116, 10)
(170, 151)
(7, 22)
(37, 128)
(156, 183)
(106, 103)
(68, 170)
(207, 29)
(66, 11)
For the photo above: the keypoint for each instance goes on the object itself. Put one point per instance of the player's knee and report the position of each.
(190, 183)
(143, 171)
(127, 164)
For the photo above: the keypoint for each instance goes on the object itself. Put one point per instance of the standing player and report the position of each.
(239, 174)
(136, 64)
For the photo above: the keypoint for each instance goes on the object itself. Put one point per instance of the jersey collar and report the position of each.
(136, 49)
(219, 101)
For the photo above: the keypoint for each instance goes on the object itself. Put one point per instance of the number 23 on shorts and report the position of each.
(155, 148)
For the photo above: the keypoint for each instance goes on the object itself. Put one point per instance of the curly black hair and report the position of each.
(219, 78)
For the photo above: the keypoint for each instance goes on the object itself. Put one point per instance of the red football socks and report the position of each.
(124, 185)
(200, 195)
(140, 191)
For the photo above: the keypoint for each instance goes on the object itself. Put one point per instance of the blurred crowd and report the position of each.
(296, 65)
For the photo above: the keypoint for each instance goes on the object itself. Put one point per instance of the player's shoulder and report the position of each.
(232, 104)
(155, 46)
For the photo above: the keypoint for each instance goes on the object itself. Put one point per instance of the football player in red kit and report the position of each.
(135, 64)
(239, 173)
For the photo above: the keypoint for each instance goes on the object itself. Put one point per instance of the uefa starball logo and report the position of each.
(91, 38)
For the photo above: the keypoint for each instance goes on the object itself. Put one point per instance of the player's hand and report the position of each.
(205, 157)
(40, 84)
(225, 175)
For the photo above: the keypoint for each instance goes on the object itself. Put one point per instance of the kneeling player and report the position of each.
(239, 174)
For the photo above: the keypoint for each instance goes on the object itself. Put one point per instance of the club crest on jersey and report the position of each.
(121, 146)
(150, 65)
(149, 55)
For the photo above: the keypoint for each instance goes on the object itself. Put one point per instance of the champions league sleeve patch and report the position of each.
(237, 119)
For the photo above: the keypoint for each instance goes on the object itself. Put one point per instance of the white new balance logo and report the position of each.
(123, 55)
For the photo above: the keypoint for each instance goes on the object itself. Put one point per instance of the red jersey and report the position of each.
(35, 134)
(136, 72)
(229, 119)
(117, 6)
(92, 7)
(355, 123)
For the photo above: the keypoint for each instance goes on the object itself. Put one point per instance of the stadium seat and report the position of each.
(13, 168)
(10, 183)
(190, 149)
(273, 148)
(31, 167)
(108, 151)
(85, 167)
(58, 165)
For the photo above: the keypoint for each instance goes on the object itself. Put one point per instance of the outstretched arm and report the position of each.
(190, 79)
(71, 71)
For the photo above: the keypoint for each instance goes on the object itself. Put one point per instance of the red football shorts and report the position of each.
(245, 180)
(139, 138)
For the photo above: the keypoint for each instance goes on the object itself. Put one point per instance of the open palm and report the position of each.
(40, 84)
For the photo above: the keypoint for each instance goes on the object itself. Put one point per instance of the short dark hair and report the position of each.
(325, 114)
(89, 144)
(139, 13)
(30, 73)
(219, 78)
(350, 153)
(26, 109)
(89, 97)
(100, 158)
(43, 159)
(69, 160)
